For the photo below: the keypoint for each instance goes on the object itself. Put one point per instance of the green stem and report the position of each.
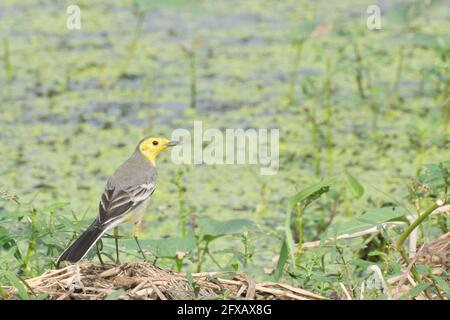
(182, 213)
(51, 222)
(293, 76)
(359, 70)
(329, 117)
(374, 123)
(179, 264)
(446, 106)
(299, 210)
(9, 71)
(399, 70)
(193, 80)
(214, 260)
(413, 225)
(316, 137)
(98, 248)
(32, 243)
(246, 249)
(347, 272)
(147, 95)
(132, 48)
(201, 256)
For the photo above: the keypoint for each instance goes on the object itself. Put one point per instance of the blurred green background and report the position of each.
(74, 104)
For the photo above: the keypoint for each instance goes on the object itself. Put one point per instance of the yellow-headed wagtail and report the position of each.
(124, 199)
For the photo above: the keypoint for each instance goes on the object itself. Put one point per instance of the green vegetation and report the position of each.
(364, 136)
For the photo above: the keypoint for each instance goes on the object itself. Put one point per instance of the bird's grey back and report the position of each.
(135, 171)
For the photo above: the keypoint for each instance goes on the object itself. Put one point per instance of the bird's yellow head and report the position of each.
(150, 147)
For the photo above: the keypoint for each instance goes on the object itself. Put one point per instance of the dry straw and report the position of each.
(142, 280)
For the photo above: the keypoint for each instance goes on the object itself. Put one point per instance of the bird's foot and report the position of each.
(74, 282)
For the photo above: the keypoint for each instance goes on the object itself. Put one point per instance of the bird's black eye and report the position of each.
(155, 143)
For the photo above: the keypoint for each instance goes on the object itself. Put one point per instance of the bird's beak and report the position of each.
(171, 143)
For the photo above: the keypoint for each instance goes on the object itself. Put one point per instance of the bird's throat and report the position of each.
(151, 157)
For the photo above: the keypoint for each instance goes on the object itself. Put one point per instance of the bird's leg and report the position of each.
(116, 239)
(135, 236)
(74, 282)
(140, 249)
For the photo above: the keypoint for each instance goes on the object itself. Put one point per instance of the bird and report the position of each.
(124, 199)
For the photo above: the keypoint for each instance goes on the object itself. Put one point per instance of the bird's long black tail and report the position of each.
(78, 249)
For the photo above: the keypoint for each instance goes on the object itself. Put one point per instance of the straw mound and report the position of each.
(436, 254)
(131, 281)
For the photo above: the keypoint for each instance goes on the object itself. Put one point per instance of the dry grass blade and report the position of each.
(344, 289)
(251, 290)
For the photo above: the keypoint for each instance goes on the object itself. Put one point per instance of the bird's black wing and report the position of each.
(115, 204)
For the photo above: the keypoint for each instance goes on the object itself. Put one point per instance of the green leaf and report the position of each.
(41, 296)
(442, 284)
(304, 197)
(190, 279)
(309, 194)
(372, 218)
(193, 284)
(6, 241)
(17, 283)
(376, 253)
(284, 253)
(57, 205)
(211, 229)
(169, 247)
(356, 187)
(435, 177)
(114, 294)
(363, 264)
(417, 289)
